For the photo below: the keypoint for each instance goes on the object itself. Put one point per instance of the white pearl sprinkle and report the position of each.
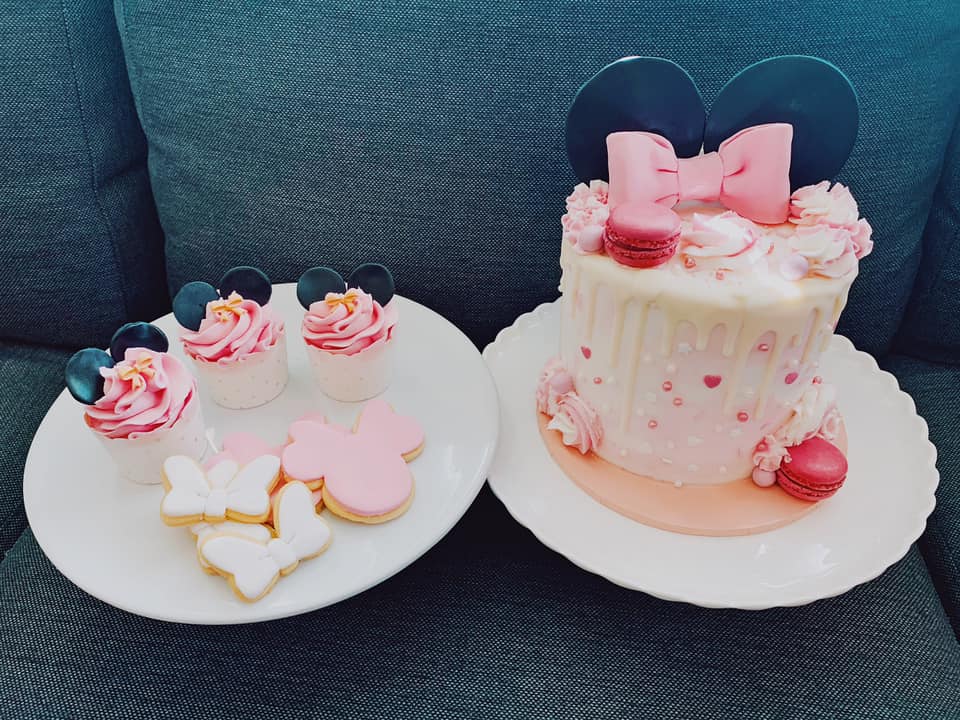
(611, 380)
(794, 363)
(645, 448)
(671, 444)
(723, 468)
(671, 368)
(684, 348)
(736, 432)
(678, 483)
(666, 461)
(693, 441)
(749, 392)
(718, 428)
(640, 411)
(623, 452)
(651, 397)
(692, 467)
(647, 358)
(605, 407)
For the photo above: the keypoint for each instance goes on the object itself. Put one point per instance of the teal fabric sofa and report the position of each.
(144, 144)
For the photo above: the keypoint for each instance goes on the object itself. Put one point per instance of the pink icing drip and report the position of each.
(334, 326)
(147, 401)
(226, 337)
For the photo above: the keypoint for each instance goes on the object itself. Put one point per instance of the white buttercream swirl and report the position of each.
(722, 242)
(554, 382)
(829, 251)
(815, 413)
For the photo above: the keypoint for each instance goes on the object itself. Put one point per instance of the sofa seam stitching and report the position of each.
(93, 178)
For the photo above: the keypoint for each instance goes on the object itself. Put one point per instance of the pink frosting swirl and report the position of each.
(348, 323)
(554, 382)
(822, 205)
(233, 329)
(145, 392)
(577, 422)
(586, 216)
(828, 251)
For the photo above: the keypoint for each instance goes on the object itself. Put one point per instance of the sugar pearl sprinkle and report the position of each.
(763, 347)
(677, 401)
(667, 386)
(743, 416)
(597, 380)
(652, 424)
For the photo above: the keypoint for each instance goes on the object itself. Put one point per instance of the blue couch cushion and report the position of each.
(486, 625)
(930, 328)
(430, 135)
(30, 379)
(80, 245)
(934, 388)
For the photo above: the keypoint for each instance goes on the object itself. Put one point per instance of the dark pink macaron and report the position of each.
(641, 234)
(814, 470)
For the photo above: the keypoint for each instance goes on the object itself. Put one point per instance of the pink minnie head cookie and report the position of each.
(364, 474)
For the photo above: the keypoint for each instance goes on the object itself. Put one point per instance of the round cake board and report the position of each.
(720, 510)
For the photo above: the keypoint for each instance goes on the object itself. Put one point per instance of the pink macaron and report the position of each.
(814, 470)
(641, 234)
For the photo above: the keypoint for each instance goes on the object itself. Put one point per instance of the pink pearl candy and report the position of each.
(764, 478)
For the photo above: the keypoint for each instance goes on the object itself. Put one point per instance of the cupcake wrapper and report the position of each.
(351, 378)
(141, 459)
(249, 383)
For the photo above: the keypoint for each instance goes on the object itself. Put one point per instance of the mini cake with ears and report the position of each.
(141, 402)
(691, 337)
(349, 329)
(234, 338)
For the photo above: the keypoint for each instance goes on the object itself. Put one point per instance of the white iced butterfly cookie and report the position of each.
(226, 491)
(260, 533)
(252, 567)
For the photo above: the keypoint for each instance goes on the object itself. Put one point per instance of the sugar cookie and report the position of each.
(364, 473)
(252, 567)
(201, 531)
(226, 491)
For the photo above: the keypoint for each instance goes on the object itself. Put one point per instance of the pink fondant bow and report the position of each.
(749, 172)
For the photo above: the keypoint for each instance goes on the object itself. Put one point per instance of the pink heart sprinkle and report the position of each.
(711, 381)
(791, 378)
(586, 351)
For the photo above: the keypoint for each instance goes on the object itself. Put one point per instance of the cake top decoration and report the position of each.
(237, 284)
(643, 95)
(82, 374)
(318, 282)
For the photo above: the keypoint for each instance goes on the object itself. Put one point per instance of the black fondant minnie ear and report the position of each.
(190, 304)
(316, 282)
(137, 335)
(810, 94)
(83, 374)
(374, 279)
(635, 93)
(250, 282)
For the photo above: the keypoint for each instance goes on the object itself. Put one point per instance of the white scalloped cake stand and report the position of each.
(106, 536)
(864, 529)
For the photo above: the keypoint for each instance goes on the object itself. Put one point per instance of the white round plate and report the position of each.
(106, 536)
(852, 538)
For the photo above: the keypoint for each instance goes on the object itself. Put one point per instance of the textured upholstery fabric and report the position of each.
(934, 388)
(430, 134)
(80, 246)
(34, 374)
(484, 626)
(931, 327)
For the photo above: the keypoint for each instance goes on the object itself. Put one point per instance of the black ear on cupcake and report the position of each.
(190, 304)
(137, 334)
(83, 374)
(316, 282)
(633, 94)
(810, 94)
(250, 282)
(374, 279)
